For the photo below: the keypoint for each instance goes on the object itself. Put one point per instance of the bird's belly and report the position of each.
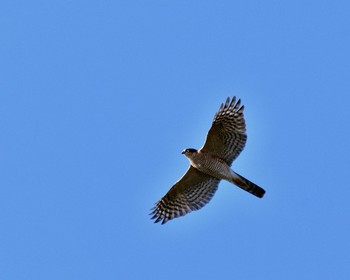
(217, 169)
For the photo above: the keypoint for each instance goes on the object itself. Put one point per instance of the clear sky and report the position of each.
(99, 98)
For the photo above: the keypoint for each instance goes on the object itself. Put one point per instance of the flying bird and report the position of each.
(209, 165)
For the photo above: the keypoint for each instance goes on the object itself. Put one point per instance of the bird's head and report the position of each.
(189, 152)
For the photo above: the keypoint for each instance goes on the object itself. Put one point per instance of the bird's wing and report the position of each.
(227, 135)
(191, 192)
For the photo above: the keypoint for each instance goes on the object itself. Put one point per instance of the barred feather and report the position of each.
(194, 190)
(227, 135)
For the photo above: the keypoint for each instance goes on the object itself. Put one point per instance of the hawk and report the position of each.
(208, 165)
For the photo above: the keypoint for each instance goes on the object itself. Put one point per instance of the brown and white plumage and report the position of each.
(225, 141)
(191, 192)
(227, 135)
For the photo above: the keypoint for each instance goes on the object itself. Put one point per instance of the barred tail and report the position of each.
(246, 185)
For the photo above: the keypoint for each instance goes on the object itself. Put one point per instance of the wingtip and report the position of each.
(161, 219)
(227, 103)
(241, 109)
(233, 101)
(157, 216)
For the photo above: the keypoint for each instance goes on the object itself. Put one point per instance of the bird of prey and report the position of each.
(208, 165)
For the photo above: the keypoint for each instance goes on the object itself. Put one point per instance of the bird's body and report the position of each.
(209, 164)
(225, 140)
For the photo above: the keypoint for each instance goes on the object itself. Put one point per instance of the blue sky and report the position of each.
(99, 98)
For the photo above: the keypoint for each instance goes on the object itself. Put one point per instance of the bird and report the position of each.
(208, 166)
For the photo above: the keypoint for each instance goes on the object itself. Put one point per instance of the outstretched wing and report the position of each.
(194, 190)
(227, 135)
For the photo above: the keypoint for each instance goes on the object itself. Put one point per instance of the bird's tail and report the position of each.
(246, 185)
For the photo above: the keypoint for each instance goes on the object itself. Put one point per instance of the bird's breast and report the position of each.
(212, 166)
